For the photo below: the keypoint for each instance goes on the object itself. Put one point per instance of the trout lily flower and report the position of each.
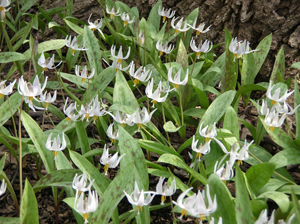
(141, 74)
(156, 95)
(163, 48)
(202, 149)
(112, 13)
(6, 90)
(73, 44)
(208, 134)
(141, 37)
(96, 25)
(263, 217)
(178, 27)
(263, 109)
(84, 73)
(187, 205)
(80, 183)
(3, 5)
(113, 135)
(122, 118)
(109, 161)
(137, 198)
(3, 187)
(46, 97)
(86, 205)
(70, 111)
(165, 13)
(202, 48)
(224, 172)
(239, 48)
(176, 81)
(239, 154)
(272, 119)
(141, 118)
(164, 189)
(199, 29)
(56, 144)
(119, 57)
(126, 19)
(47, 63)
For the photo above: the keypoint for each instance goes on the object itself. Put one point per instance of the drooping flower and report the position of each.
(71, 111)
(178, 27)
(164, 48)
(47, 63)
(137, 198)
(264, 109)
(239, 48)
(272, 119)
(56, 144)
(224, 172)
(122, 118)
(110, 161)
(240, 154)
(113, 135)
(112, 13)
(84, 73)
(164, 189)
(142, 117)
(47, 99)
(165, 13)
(80, 183)
(202, 149)
(208, 134)
(96, 25)
(202, 48)
(86, 205)
(199, 29)
(263, 217)
(141, 37)
(3, 187)
(176, 80)
(119, 57)
(74, 45)
(187, 205)
(141, 74)
(126, 19)
(156, 95)
(6, 90)
(3, 5)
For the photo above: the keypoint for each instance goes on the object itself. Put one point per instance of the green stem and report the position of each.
(50, 119)
(173, 214)
(164, 119)
(151, 134)
(43, 120)
(12, 117)
(181, 108)
(20, 151)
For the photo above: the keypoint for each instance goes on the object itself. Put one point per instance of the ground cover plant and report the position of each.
(145, 85)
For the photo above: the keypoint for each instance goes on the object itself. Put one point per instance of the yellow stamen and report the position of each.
(82, 79)
(116, 70)
(271, 128)
(1, 95)
(2, 12)
(235, 55)
(95, 118)
(224, 181)
(176, 31)
(106, 167)
(54, 153)
(112, 16)
(176, 86)
(79, 192)
(164, 18)
(123, 125)
(85, 216)
(73, 51)
(273, 102)
(113, 140)
(198, 33)
(46, 105)
(139, 126)
(136, 81)
(68, 119)
(184, 212)
(163, 198)
(45, 69)
(207, 139)
(87, 116)
(93, 29)
(119, 61)
(202, 217)
(139, 208)
(240, 162)
(125, 23)
(161, 53)
(31, 98)
(154, 102)
(198, 54)
(199, 155)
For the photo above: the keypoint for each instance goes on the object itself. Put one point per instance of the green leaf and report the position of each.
(170, 127)
(295, 65)
(257, 206)
(214, 74)
(201, 94)
(243, 205)
(153, 18)
(83, 138)
(9, 220)
(73, 26)
(6, 57)
(177, 161)
(279, 68)
(263, 50)
(296, 205)
(29, 209)
(9, 107)
(156, 147)
(225, 207)
(2, 162)
(272, 185)
(281, 200)
(231, 122)
(258, 175)
(286, 157)
(39, 140)
(129, 146)
(297, 112)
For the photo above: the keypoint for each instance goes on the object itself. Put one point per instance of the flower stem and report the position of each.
(173, 214)
(164, 119)
(181, 108)
(20, 151)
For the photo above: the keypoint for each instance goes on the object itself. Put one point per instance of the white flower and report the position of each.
(156, 95)
(164, 189)
(264, 109)
(287, 109)
(3, 5)
(137, 197)
(113, 135)
(31, 90)
(47, 63)
(109, 161)
(141, 37)
(163, 48)
(239, 154)
(289, 221)
(202, 149)
(73, 45)
(117, 66)
(84, 73)
(112, 13)
(240, 48)
(204, 48)
(96, 25)
(176, 81)
(187, 205)
(122, 118)
(178, 27)
(6, 90)
(46, 97)
(208, 134)
(119, 57)
(70, 111)
(141, 74)
(97, 108)
(56, 144)
(263, 218)
(272, 119)
(141, 118)
(3, 187)
(80, 183)
(125, 17)
(165, 13)
(200, 28)
(224, 173)
(87, 205)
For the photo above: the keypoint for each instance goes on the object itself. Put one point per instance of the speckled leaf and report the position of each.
(153, 18)
(225, 202)
(281, 199)
(29, 209)
(129, 146)
(170, 127)
(279, 68)
(5, 108)
(93, 50)
(56, 178)
(122, 92)
(297, 112)
(83, 139)
(263, 50)
(286, 157)
(231, 121)
(213, 75)
(9, 220)
(156, 147)
(6, 57)
(2, 162)
(74, 26)
(242, 206)
(39, 140)
(182, 57)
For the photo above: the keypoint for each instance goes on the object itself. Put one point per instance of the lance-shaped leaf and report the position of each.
(83, 138)
(286, 157)
(231, 121)
(281, 199)
(153, 18)
(9, 220)
(6, 57)
(263, 50)
(297, 112)
(8, 108)
(279, 68)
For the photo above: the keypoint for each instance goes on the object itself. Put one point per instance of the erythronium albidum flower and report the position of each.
(3, 187)
(126, 19)
(112, 13)
(56, 144)
(187, 205)
(240, 48)
(263, 110)
(84, 73)
(6, 90)
(165, 13)
(3, 5)
(141, 118)
(201, 149)
(80, 183)
(141, 37)
(71, 111)
(176, 80)
(208, 134)
(46, 97)
(202, 47)
(156, 95)
(178, 27)
(109, 161)
(263, 218)
(96, 25)
(122, 118)
(164, 189)
(240, 154)
(199, 29)
(137, 198)
(164, 48)
(141, 74)
(224, 172)
(86, 205)
(272, 119)
(47, 63)
(119, 57)
(113, 135)
(74, 45)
